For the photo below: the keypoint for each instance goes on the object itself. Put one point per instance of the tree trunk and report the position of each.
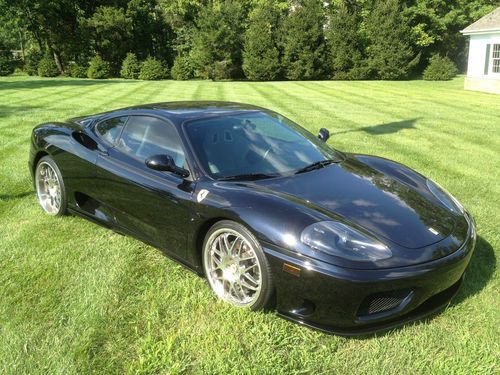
(21, 41)
(57, 59)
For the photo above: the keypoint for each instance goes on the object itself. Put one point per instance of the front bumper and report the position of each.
(356, 302)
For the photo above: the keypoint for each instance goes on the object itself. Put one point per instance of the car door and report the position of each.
(153, 205)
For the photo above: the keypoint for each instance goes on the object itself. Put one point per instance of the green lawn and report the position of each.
(77, 298)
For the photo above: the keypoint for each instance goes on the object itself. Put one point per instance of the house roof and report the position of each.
(489, 23)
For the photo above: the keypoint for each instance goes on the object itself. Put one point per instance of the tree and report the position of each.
(302, 40)
(261, 57)
(52, 23)
(344, 42)
(112, 32)
(151, 34)
(390, 52)
(218, 40)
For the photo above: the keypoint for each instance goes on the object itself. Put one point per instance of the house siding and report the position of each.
(480, 76)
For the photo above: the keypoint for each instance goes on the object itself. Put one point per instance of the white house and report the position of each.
(483, 72)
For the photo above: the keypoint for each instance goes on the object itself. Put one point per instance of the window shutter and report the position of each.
(487, 60)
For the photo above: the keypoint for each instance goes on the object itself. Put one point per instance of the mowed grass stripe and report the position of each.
(81, 299)
(374, 103)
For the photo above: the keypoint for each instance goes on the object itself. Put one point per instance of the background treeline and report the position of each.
(229, 39)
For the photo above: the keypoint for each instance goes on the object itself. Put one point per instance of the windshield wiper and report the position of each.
(248, 176)
(316, 165)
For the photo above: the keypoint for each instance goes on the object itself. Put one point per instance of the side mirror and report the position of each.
(323, 134)
(165, 163)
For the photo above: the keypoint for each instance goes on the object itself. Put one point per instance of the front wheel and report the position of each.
(236, 267)
(50, 187)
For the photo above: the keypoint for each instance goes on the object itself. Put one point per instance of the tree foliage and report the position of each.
(256, 39)
(261, 55)
(390, 51)
(131, 67)
(345, 44)
(218, 40)
(6, 61)
(303, 40)
(112, 31)
(440, 68)
(183, 68)
(153, 69)
(47, 67)
(98, 68)
(76, 70)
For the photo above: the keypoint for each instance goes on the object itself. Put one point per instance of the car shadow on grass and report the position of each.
(480, 270)
(12, 197)
(386, 128)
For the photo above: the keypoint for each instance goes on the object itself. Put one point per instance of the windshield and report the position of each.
(254, 143)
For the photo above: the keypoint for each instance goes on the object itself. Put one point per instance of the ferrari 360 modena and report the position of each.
(271, 215)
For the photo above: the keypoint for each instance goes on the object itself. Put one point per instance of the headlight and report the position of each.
(445, 198)
(337, 239)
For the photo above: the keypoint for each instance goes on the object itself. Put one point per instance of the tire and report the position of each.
(241, 275)
(50, 189)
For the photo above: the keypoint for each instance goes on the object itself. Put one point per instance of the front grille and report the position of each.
(381, 302)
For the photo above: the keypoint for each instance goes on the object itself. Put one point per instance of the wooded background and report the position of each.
(225, 39)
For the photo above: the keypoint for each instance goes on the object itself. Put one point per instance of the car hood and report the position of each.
(382, 197)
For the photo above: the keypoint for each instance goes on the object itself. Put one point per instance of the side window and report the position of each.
(146, 136)
(110, 129)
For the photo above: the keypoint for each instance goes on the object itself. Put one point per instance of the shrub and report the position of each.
(153, 69)
(32, 61)
(222, 70)
(6, 61)
(77, 70)
(183, 68)
(47, 67)
(355, 74)
(98, 68)
(440, 69)
(6, 65)
(131, 67)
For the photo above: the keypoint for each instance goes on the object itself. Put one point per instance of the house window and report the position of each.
(496, 58)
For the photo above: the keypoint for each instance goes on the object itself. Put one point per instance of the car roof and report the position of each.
(178, 112)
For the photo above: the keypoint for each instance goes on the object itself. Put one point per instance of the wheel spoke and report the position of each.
(244, 284)
(226, 244)
(251, 278)
(250, 257)
(249, 268)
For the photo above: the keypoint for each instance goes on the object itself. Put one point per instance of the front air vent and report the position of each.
(381, 302)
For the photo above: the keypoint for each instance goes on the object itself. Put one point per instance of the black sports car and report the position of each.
(271, 215)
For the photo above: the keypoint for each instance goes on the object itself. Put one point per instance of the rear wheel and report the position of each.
(50, 187)
(236, 267)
